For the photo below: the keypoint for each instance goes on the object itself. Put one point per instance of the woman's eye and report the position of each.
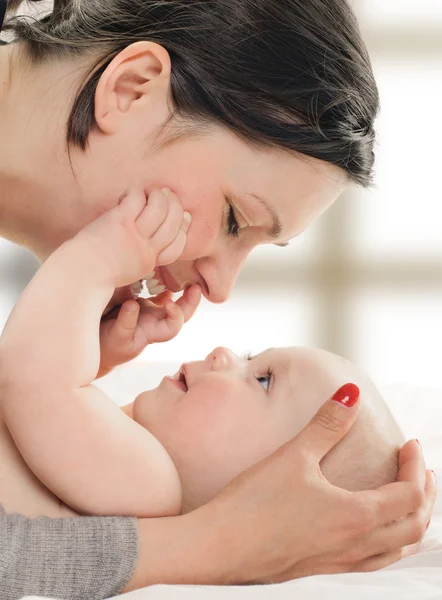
(264, 380)
(233, 227)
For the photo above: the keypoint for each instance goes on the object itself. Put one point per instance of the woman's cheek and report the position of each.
(201, 237)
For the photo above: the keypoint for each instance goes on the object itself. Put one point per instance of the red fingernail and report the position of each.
(347, 395)
(420, 445)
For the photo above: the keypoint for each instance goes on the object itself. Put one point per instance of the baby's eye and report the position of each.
(264, 380)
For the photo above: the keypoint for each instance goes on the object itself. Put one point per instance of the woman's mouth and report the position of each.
(155, 284)
(160, 280)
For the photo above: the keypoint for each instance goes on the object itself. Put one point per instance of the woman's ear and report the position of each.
(139, 74)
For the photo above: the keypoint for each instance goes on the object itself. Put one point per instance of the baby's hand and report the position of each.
(139, 234)
(125, 332)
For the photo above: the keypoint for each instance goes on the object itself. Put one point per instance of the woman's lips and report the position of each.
(164, 277)
(168, 280)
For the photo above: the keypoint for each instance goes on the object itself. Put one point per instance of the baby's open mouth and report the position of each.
(181, 378)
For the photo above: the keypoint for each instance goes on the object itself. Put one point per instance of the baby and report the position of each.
(67, 449)
(219, 416)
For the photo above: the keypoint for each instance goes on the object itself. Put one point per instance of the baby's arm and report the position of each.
(80, 445)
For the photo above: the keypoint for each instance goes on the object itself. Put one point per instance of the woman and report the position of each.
(256, 115)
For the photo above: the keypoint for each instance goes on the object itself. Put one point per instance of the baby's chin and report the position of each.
(143, 396)
(141, 406)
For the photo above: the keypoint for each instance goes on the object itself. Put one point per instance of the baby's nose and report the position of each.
(222, 358)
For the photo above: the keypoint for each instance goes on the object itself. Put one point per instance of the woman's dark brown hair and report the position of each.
(292, 74)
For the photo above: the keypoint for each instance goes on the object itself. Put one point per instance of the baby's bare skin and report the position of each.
(71, 435)
(20, 490)
(90, 454)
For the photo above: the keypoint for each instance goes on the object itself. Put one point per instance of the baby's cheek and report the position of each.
(205, 418)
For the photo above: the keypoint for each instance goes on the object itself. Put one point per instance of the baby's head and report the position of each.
(219, 416)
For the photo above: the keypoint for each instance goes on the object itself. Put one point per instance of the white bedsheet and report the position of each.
(419, 577)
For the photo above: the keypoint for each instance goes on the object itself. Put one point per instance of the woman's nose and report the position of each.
(222, 274)
(222, 359)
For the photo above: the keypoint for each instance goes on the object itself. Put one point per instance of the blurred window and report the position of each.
(366, 280)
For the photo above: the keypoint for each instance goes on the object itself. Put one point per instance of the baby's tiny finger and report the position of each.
(173, 251)
(160, 300)
(175, 317)
(187, 221)
(132, 202)
(127, 319)
(154, 214)
(173, 310)
(172, 224)
(189, 301)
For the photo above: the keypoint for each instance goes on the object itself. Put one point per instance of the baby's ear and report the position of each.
(136, 79)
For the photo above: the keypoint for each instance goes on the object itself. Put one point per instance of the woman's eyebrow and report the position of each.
(276, 229)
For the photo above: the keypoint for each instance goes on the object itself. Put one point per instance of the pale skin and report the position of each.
(214, 419)
(122, 458)
(41, 207)
(176, 447)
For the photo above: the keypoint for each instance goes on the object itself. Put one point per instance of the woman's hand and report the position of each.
(298, 524)
(377, 545)
(281, 519)
(127, 330)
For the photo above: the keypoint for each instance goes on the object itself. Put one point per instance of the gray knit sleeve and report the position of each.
(70, 559)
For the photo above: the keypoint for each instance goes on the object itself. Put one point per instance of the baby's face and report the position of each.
(218, 416)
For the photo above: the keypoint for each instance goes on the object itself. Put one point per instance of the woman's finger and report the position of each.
(332, 421)
(374, 563)
(406, 531)
(387, 539)
(432, 496)
(392, 501)
(412, 463)
(397, 500)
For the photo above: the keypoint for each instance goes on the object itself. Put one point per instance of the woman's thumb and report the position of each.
(332, 421)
